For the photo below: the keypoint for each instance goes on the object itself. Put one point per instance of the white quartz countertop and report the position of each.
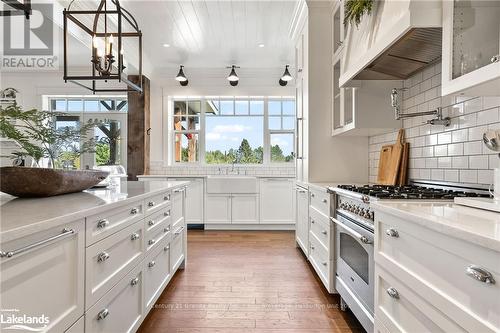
(24, 216)
(477, 226)
(205, 176)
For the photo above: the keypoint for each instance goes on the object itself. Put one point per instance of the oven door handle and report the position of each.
(351, 231)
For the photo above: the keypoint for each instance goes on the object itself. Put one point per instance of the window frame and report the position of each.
(267, 132)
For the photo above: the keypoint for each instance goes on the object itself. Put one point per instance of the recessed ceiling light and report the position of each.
(166, 45)
(261, 45)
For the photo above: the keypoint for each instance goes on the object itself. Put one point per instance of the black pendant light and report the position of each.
(282, 83)
(181, 77)
(19, 7)
(108, 27)
(233, 77)
(286, 75)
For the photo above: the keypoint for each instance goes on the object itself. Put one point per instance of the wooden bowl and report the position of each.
(27, 182)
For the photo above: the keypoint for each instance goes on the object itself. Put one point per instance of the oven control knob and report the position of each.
(372, 216)
(362, 212)
(366, 215)
(352, 208)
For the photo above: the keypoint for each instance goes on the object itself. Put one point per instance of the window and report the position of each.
(225, 130)
(89, 104)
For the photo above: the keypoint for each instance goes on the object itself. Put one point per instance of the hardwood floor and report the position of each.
(246, 281)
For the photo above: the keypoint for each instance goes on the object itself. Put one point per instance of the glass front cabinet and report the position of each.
(471, 47)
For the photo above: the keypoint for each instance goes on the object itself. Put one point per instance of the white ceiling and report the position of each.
(212, 33)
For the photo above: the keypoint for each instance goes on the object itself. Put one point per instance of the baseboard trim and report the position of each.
(249, 226)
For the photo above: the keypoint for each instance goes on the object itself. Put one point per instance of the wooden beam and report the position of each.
(138, 138)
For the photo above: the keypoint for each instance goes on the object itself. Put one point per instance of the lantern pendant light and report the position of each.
(233, 77)
(286, 75)
(109, 29)
(180, 76)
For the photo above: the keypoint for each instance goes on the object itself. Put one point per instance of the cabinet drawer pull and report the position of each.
(480, 274)
(312, 195)
(312, 221)
(495, 58)
(324, 201)
(103, 223)
(167, 213)
(392, 232)
(134, 211)
(151, 223)
(178, 231)
(134, 281)
(151, 264)
(312, 247)
(393, 293)
(151, 204)
(324, 263)
(179, 190)
(102, 314)
(134, 236)
(166, 248)
(103, 256)
(167, 229)
(167, 197)
(151, 241)
(365, 240)
(324, 232)
(64, 233)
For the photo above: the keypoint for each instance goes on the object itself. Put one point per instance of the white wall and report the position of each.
(437, 153)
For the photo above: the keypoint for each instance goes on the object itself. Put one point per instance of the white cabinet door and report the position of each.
(46, 279)
(245, 209)
(177, 248)
(194, 199)
(156, 273)
(302, 223)
(218, 209)
(277, 200)
(178, 206)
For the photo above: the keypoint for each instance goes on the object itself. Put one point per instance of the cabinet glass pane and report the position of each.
(476, 35)
(348, 107)
(336, 29)
(336, 97)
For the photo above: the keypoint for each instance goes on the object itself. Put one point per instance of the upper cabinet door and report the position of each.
(471, 47)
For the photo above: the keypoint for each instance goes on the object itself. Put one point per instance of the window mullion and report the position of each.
(267, 136)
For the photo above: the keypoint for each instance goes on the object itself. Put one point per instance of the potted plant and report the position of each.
(39, 138)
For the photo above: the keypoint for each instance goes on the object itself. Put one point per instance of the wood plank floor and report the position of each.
(246, 281)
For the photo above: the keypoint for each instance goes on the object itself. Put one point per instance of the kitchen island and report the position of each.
(94, 261)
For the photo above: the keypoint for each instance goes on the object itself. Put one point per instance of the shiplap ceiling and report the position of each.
(211, 33)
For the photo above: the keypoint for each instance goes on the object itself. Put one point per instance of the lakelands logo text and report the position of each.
(29, 44)
(13, 320)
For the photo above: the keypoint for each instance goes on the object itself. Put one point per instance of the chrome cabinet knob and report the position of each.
(167, 213)
(151, 223)
(392, 232)
(312, 221)
(103, 256)
(393, 293)
(134, 281)
(324, 232)
(324, 201)
(324, 263)
(480, 274)
(312, 195)
(151, 264)
(134, 211)
(495, 58)
(134, 236)
(312, 247)
(151, 241)
(103, 223)
(102, 314)
(166, 248)
(167, 197)
(151, 204)
(365, 240)
(167, 229)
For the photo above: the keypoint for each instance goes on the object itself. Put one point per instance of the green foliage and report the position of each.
(355, 9)
(277, 155)
(102, 153)
(246, 155)
(35, 131)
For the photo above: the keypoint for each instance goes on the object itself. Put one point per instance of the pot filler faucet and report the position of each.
(439, 120)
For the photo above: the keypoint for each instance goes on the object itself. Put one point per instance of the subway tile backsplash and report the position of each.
(454, 153)
(285, 170)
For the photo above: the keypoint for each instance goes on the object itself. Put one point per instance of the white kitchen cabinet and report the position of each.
(178, 246)
(156, 273)
(218, 209)
(78, 327)
(471, 48)
(195, 192)
(121, 309)
(40, 267)
(302, 219)
(245, 208)
(277, 200)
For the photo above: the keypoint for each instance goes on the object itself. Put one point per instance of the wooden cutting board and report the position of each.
(390, 160)
(383, 164)
(403, 169)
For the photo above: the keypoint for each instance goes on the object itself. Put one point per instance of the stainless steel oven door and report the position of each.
(355, 262)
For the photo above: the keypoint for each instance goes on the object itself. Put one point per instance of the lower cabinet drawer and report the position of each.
(431, 260)
(110, 259)
(156, 273)
(121, 309)
(318, 257)
(177, 248)
(47, 278)
(402, 310)
(157, 228)
(320, 200)
(320, 226)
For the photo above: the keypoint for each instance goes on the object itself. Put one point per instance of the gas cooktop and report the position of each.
(409, 192)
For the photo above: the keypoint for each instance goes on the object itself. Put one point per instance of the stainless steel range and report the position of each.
(354, 235)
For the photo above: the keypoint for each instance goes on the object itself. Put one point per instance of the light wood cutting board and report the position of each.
(383, 164)
(390, 160)
(403, 169)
